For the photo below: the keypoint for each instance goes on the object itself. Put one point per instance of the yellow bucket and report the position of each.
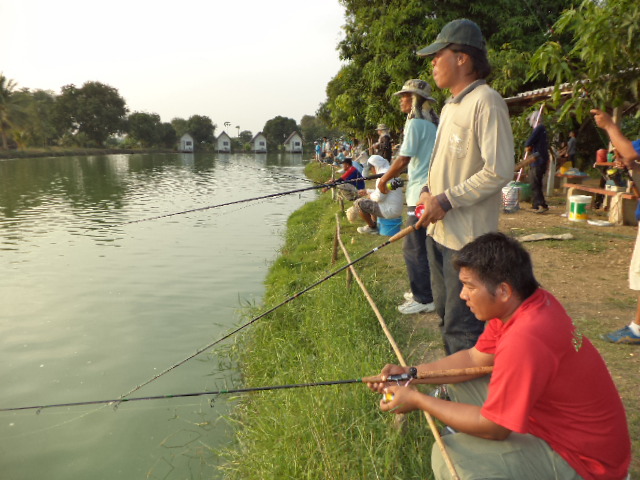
(578, 208)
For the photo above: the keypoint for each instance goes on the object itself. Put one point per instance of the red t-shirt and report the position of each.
(551, 382)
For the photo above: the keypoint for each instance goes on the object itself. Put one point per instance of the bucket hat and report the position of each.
(461, 31)
(419, 87)
(382, 126)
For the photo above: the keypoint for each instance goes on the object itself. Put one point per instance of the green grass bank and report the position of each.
(329, 333)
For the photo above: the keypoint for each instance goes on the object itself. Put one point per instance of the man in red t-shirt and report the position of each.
(550, 401)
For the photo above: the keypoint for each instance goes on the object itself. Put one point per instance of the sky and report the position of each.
(237, 61)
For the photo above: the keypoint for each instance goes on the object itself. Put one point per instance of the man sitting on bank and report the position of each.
(378, 204)
(355, 187)
(550, 401)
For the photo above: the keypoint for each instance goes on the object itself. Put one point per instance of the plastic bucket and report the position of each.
(510, 195)
(578, 208)
(389, 226)
(525, 191)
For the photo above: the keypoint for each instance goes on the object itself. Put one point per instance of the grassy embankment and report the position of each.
(329, 333)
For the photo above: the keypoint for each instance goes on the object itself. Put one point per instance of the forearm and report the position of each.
(398, 166)
(622, 144)
(462, 417)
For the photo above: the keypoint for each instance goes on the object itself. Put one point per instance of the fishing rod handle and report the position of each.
(453, 372)
(403, 233)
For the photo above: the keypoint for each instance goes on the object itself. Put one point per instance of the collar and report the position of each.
(471, 87)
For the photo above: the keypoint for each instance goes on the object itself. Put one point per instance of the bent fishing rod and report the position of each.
(404, 377)
(272, 195)
(402, 233)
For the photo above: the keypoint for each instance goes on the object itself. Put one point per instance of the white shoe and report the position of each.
(415, 307)
(408, 296)
(368, 229)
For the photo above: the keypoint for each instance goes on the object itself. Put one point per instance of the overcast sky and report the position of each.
(242, 61)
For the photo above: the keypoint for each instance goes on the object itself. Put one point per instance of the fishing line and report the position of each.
(404, 377)
(272, 195)
(397, 236)
(270, 171)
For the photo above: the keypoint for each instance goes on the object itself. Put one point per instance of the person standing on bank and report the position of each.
(473, 158)
(537, 148)
(415, 153)
(383, 146)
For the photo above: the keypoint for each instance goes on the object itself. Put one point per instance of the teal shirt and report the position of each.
(419, 137)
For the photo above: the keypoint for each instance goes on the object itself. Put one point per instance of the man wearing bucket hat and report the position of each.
(415, 154)
(383, 146)
(473, 158)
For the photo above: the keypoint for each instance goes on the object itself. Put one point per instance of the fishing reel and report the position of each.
(395, 183)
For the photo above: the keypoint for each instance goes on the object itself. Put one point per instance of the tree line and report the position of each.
(592, 47)
(95, 115)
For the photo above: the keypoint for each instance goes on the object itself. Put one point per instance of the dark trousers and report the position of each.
(414, 250)
(460, 328)
(537, 174)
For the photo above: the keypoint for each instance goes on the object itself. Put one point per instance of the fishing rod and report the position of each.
(402, 233)
(373, 379)
(272, 195)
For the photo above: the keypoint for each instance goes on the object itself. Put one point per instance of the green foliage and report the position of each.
(601, 60)
(144, 128)
(9, 108)
(94, 112)
(277, 129)
(381, 39)
(202, 129)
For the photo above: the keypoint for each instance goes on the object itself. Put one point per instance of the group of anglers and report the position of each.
(549, 409)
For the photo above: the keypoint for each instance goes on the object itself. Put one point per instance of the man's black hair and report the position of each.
(481, 65)
(347, 160)
(496, 258)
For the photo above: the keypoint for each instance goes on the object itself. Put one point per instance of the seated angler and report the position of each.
(549, 410)
(351, 183)
(378, 204)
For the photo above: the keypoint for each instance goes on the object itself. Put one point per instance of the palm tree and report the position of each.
(8, 106)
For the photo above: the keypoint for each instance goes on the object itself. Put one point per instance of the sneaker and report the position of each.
(624, 335)
(542, 210)
(415, 307)
(408, 296)
(368, 229)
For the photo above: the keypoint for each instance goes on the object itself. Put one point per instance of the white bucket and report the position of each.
(578, 207)
(510, 195)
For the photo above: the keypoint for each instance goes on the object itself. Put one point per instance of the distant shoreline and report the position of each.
(67, 152)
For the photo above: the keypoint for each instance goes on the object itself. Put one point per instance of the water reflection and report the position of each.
(90, 310)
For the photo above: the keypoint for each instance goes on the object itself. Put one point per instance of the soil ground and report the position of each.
(589, 275)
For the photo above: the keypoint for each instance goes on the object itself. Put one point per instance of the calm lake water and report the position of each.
(89, 310)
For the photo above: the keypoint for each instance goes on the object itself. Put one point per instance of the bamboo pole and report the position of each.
(394, 345)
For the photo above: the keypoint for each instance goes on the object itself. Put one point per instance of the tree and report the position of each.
(9, 108)
(180, 126)
(601, 60)
(167, 136)
(38, 123)
(94, 111)
(201, 129)
(278, 129)
(145, 128)
(381, 39)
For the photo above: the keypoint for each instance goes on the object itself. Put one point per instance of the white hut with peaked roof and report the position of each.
(186, 144)
(259, 143)
(223, 143)
(293, 143)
